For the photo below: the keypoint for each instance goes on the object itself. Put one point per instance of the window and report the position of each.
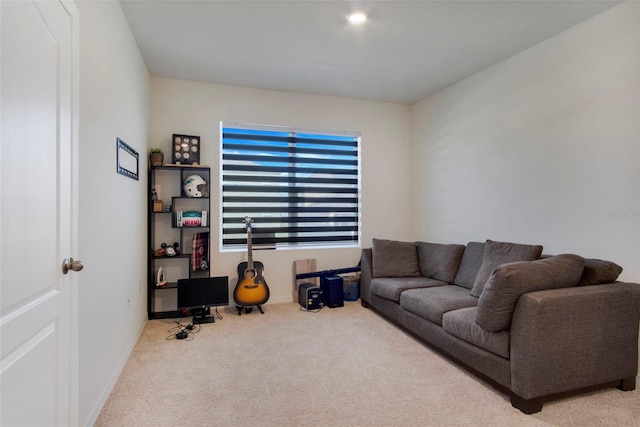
(300, 188)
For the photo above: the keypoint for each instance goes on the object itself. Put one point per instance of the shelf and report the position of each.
(172, 257)
(170, 285)
(169, 166)
(189, 198)
(170, 178)
(164, 314)
(181, 168)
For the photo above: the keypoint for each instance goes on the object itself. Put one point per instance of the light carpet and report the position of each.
(344, 366)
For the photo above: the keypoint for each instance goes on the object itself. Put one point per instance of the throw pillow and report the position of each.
(509, 281)
(599, 272)
(470, 264)
(392, 258)
(496, 253)
(439, 261)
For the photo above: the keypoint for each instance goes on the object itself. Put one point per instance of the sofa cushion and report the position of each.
(439, 261)
(496, 253)
(470, 264)
(462, 324)
(432, 303)
(392, 258)
(599, 272)
(509, 281)
(391, 287)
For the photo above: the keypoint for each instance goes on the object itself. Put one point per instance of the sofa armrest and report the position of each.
(366, 274)
(570, 338)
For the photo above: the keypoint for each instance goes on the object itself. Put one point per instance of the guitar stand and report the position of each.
(247, 309)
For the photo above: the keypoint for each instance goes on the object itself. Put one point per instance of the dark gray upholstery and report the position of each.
(439, 261)
(496, 253)
(366, 272)
(509, 281)
(470, 264)
(391, 287)
(599, 272)
(392, 258)
(559, 340)
(565, 339)
(495, 367)
(432, 303)
(462, 324)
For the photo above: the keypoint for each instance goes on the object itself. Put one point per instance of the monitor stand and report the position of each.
(202, 315)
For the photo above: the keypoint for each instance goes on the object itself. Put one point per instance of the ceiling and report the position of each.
(406, 51)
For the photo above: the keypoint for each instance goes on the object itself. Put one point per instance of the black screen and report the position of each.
(203, 292)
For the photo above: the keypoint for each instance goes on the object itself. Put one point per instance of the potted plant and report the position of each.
(156, 157)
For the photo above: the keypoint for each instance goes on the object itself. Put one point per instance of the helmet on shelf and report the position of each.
(195, 186)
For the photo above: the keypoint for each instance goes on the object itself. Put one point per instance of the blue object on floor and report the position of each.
(351, 288)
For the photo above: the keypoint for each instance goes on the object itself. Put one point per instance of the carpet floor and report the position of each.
(344, 366)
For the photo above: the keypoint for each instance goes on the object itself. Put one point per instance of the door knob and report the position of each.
(70, 264)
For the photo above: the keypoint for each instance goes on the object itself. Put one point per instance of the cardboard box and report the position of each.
(157, 205)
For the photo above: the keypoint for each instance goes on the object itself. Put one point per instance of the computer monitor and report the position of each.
(199, 294)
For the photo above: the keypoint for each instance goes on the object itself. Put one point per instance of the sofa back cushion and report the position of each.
(392, 258)
(439, 261)
(470, 264)
(599, 272)
(509, 281)
(496, 253)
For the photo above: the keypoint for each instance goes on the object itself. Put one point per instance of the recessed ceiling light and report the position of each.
(357, 18)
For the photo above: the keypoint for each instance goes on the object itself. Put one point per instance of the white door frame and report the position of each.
(74, 351)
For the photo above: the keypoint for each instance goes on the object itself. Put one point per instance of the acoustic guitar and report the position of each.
(251, 289)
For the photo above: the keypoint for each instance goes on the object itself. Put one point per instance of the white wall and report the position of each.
(195, 108)
(114, 102)
(540, 148)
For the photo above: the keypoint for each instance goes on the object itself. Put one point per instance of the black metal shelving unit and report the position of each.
(173, 176)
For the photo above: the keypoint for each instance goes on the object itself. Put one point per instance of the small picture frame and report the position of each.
(185, 149)
(127, 160)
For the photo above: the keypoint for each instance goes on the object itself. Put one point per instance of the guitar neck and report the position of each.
(249, 250)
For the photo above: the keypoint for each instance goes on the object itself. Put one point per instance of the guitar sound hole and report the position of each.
(250, 274)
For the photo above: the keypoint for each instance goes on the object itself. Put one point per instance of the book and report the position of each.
(200, 252)
(203, 223)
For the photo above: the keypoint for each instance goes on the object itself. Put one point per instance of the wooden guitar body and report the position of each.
(251, 288)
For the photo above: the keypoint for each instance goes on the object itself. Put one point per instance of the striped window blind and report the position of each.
(301, 188)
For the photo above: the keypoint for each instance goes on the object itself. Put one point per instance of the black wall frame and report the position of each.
(127, 160)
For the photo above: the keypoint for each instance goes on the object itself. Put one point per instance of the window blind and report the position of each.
(300, 188)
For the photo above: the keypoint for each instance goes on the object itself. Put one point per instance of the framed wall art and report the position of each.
(186, 150)
(127, 160)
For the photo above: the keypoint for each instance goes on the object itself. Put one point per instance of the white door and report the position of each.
(38, 65)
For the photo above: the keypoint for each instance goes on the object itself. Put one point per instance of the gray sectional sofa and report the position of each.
(536, 327)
